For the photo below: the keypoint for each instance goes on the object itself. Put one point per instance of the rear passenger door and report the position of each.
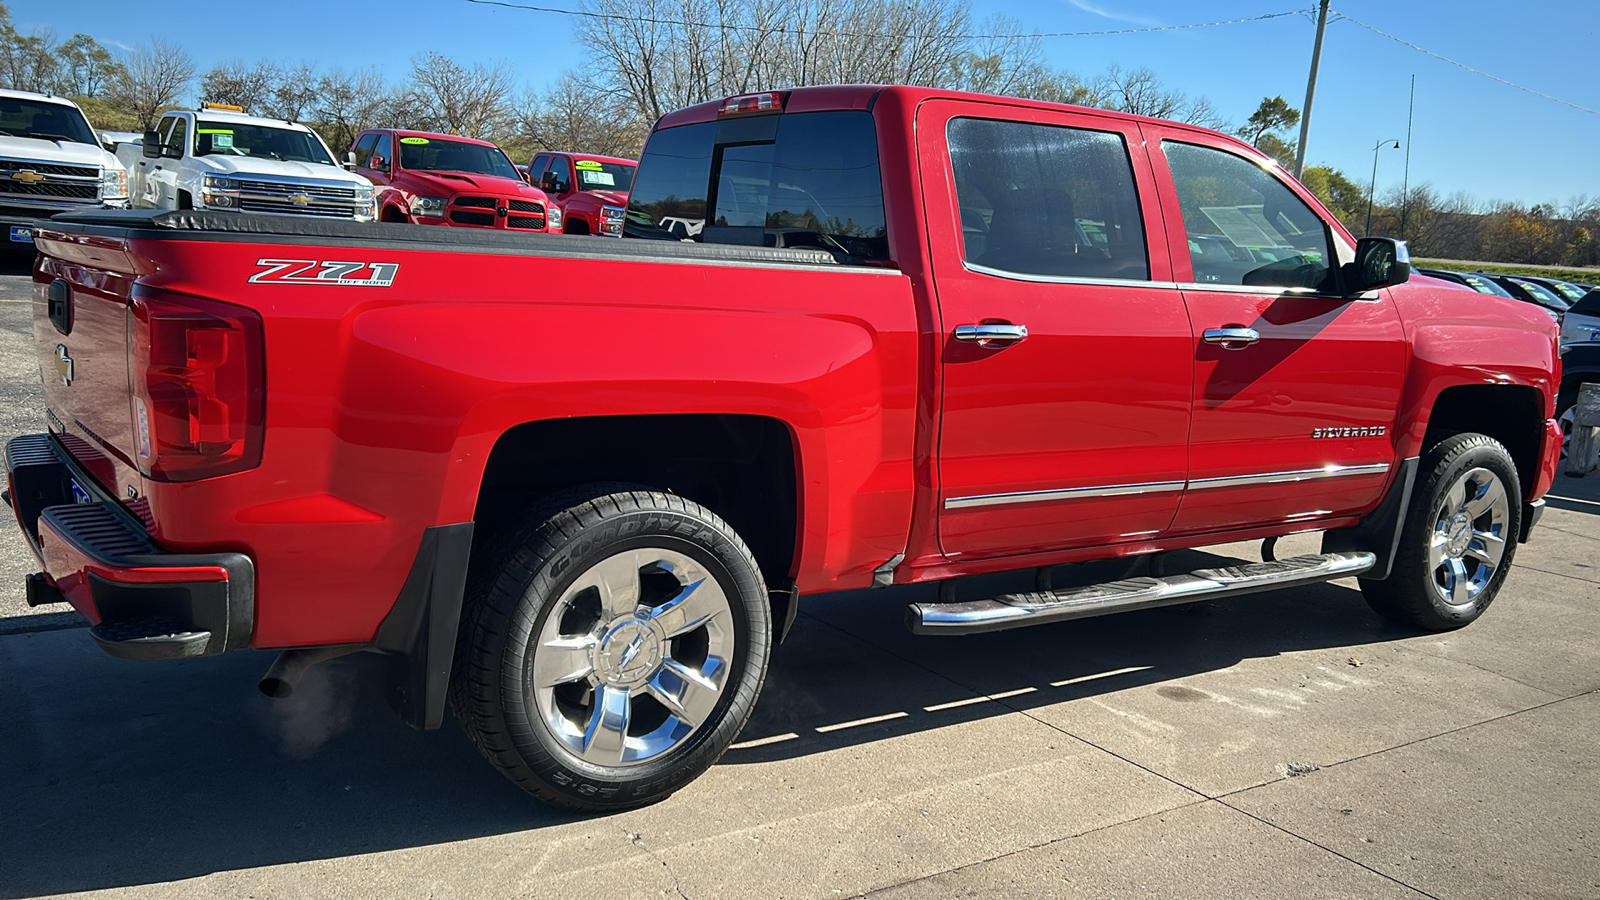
(1073, 433)
(1296, 386)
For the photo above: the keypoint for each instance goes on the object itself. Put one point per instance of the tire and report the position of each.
(612, 647)
(1566, 403)
(1459, 537)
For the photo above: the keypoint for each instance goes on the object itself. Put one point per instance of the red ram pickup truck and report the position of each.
(591, 191)
(441, 179)
(915, 335)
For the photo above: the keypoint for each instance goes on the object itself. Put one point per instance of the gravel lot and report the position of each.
(1280, 745)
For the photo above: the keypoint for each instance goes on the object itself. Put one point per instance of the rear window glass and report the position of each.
(1588, 306)
(1047, 200)
(802, 180)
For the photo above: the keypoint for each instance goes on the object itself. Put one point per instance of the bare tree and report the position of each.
(472, 101)
(576, 114)
(153, 78)
(293, 94)
(240, 84)
(27, 62)
(350, 102)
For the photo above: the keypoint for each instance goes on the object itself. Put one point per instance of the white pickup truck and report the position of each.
(50, 162)
(219, 159)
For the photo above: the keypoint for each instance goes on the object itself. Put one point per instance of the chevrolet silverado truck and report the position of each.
(218, 159)
(51, 161)
(590, 190)
(442, 179)
(989, 341)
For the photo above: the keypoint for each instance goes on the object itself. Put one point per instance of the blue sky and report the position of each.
(1470, 133)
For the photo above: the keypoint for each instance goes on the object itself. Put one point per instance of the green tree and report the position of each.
(1272, 116)
(86, 69)
(1343, 197)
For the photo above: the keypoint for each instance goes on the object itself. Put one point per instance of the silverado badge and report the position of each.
(1363, 431)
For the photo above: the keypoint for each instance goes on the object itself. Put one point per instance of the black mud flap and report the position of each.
(419, 634)
(1379, 533)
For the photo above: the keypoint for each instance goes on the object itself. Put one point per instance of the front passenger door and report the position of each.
(1296, 386)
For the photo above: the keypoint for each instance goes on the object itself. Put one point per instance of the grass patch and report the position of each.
(1583, 276)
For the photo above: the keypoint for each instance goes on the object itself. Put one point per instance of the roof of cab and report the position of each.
(34, 95)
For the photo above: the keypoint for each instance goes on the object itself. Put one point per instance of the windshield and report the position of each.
(604, 176)
(260, 141)
(440, 155)
(1485, 286)
(20, 117)
(1543, 297)
(1569, 292)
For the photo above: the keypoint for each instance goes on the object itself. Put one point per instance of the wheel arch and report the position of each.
(1512, 414)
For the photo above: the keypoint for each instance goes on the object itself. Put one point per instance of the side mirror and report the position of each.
(152, 145)
(547, 182)
(377, 162)
(350, 161)
(1380, 263)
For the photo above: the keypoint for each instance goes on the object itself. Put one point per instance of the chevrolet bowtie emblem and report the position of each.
(27, 176)
(63, 364)
(300, 199)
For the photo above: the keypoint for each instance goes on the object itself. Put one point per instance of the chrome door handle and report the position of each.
(983, 334)
(1231, 338)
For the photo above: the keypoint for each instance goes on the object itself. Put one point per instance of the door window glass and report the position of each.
(1244, 226)
(1047, 200)
(364, 147)
(561, 171)
(384, 150)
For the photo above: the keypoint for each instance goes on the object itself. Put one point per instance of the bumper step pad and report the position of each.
(156, 637)
(1039, 607)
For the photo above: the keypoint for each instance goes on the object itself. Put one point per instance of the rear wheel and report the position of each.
(1459, 537)
(612, 649)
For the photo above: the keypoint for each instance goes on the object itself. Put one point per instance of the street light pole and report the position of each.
(1372, 192)
(1311, 92)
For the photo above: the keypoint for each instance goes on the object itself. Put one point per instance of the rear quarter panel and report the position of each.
(384, 403)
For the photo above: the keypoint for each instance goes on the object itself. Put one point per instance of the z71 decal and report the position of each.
(310, 271)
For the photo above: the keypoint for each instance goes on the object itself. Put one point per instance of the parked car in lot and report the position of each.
(51, 161)
(1530, 292)
(218, 158)
(1566, 290)
(584, 516)
(440, 179)
(1480, 283)
(592, 191)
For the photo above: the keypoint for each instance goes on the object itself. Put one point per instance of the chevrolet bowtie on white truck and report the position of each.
(220, 159)
(50, 162)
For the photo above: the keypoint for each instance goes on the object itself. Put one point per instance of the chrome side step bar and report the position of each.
(1019, 610)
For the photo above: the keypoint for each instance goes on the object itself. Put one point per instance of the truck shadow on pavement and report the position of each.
(125, 773)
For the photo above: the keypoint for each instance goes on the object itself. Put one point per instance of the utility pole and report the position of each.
(1405, 181)
(1311, 91)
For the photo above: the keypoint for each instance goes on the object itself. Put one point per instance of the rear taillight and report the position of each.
(198, 373)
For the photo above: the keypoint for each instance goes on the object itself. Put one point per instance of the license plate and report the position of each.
(22, 234)
(79, 495)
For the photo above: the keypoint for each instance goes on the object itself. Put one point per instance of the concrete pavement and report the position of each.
(1279, 745)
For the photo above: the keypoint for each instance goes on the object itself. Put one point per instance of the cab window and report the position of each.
(178, 138)
(1244, 226)
(384, 150)
(1047, 200)
(561, 173)
(363, 148)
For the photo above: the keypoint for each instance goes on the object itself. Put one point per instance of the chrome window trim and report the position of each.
(1068, 279)
(1268, 290)
(1157, 487)
(1115, 490)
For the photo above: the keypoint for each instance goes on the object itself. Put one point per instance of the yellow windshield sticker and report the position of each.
(413, 140)
(216, 131)
(587, 164)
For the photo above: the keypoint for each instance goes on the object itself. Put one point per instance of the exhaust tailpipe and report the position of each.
(291, 665)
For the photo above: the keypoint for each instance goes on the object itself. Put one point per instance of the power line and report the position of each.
(579, 13)
(1442, 57)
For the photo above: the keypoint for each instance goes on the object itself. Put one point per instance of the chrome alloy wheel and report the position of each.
(1568, 420)
(1469, 537)
(633, 657)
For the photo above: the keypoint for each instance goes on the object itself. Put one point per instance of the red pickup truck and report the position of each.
(442, 179)
(592, 191)
(913, 335)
